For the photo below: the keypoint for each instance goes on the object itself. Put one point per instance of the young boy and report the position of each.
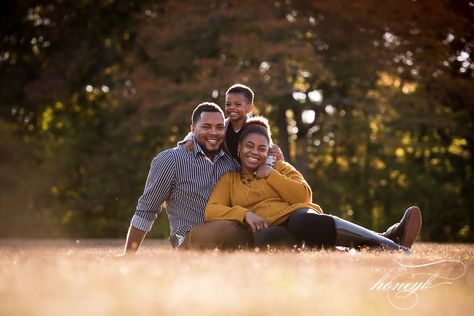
(238, 107)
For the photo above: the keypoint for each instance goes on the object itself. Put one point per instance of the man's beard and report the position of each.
(210, 152)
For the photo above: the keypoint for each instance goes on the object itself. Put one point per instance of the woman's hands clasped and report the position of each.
(256, 222)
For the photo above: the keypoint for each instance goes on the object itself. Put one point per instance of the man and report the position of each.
(185, 181)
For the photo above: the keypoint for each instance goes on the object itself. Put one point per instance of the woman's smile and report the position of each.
(253, 152)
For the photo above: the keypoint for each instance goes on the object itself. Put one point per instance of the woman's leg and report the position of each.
(352, 235)
(318, 230)
(406, 231)
(315, 230)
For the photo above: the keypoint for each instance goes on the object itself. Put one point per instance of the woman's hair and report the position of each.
(257, 125)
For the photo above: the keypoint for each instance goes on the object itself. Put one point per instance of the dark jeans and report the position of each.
(303, 226)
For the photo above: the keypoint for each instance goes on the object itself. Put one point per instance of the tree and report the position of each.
(374, 109)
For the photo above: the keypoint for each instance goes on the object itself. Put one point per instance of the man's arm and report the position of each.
(157, 189)
(135, 238)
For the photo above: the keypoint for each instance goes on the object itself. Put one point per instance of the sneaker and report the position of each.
(405, 232)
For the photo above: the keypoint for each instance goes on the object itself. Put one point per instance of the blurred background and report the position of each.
(373, 101)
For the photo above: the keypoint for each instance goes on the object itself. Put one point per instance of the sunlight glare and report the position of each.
(299, 96)
(463, 56)
(292, 130)
(449, 38)
(315, 96)
(264, 66)
(308, 116)
(330, 109)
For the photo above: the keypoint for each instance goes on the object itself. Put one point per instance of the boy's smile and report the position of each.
(237, 106)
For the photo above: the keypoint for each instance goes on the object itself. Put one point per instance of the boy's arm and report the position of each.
(188, 138)
(187, 142)
(276, 152)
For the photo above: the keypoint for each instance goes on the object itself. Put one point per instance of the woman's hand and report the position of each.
(256, 222)
(263, 171)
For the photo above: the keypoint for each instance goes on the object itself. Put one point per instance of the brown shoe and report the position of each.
(405, 232)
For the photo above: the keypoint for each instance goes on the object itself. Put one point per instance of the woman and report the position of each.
(277, 202)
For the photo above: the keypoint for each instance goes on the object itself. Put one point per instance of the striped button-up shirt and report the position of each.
(184, 181)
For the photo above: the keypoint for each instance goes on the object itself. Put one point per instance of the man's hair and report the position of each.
(205, 107)
(257, 125)
(243, 90)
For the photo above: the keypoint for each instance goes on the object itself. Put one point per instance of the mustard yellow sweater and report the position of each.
(273, 198)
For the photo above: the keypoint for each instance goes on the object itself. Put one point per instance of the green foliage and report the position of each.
(92, 90)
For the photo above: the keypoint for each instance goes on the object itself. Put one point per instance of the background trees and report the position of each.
(371, 101)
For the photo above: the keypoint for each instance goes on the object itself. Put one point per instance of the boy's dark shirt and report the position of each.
(232, 141)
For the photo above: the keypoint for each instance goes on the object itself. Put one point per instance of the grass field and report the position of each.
(85, 278)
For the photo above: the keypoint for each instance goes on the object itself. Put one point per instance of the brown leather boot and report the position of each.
(405, 232)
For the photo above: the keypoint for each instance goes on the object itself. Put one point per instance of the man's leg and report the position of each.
(275, 237)
(221, 234)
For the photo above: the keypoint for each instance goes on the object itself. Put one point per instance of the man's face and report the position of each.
(209, 132)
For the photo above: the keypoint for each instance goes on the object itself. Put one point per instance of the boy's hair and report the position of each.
(241, 89)
(258, 125)
(205, 107)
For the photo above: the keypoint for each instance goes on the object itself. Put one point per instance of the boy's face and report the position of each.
(237, 106)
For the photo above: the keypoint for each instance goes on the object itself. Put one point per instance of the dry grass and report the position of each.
(84, 278)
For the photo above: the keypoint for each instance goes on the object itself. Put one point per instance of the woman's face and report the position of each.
(253, 152)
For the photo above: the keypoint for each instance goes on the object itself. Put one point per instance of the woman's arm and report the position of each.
(290, 184)
(219, 205)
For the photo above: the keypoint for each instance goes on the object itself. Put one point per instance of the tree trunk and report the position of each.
(283, 137)
(301, 157)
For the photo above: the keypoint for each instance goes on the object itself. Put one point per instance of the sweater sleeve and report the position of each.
(290, 184)
(219, 205)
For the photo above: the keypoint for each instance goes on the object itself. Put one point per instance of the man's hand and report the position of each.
(263, 171)
(134, 240)
(276, 152)
(256, 222)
